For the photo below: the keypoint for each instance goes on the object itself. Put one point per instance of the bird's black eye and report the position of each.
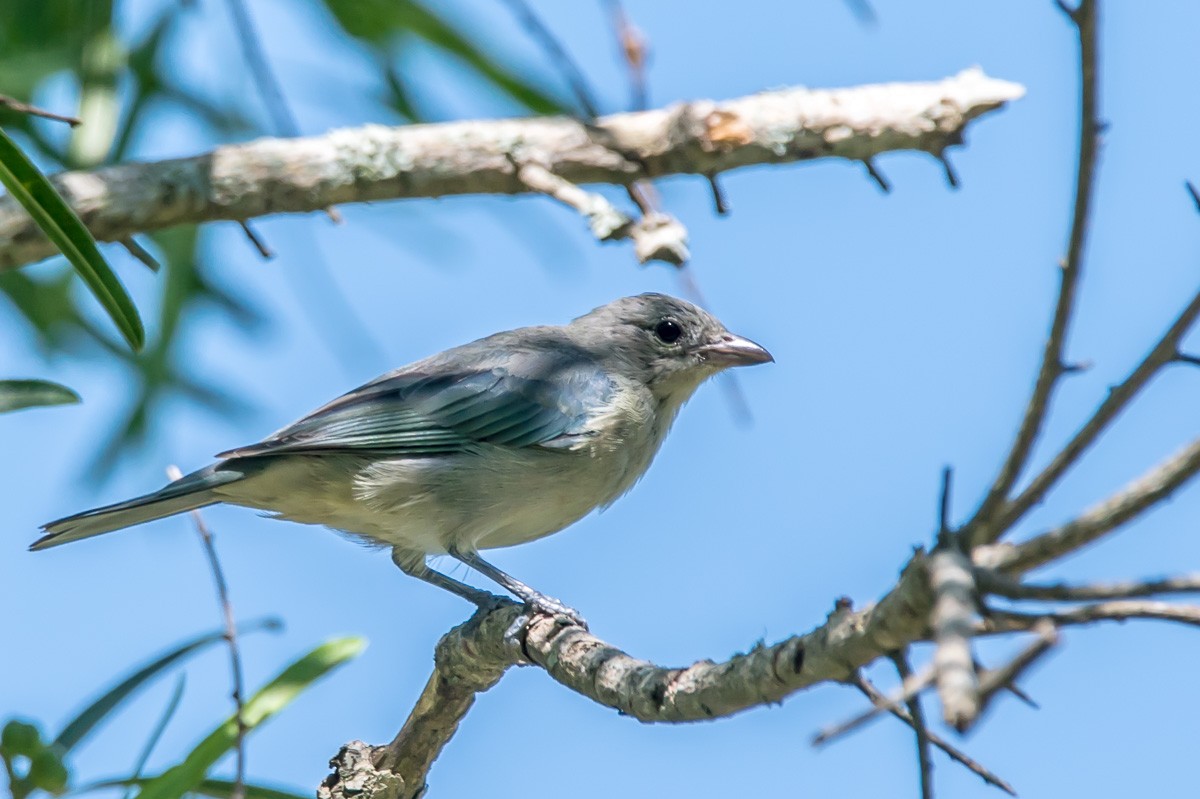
(668, 331)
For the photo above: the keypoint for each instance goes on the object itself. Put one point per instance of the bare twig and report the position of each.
(633, 52)
(256, 240)
(282, 119)
(1148, 490)
(656, 236)
(920, 728)
(873, 172)
(1006, 621)
(984, 526)
(13, 104)
(1195, 195)
(720, 204)
(235, 656)
(909, 687)
(994, 680)
(141, 253)
(1001, 585)
(958, 756)
(604, 220)
(558, 54)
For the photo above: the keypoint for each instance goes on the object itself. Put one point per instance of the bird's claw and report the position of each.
(553, 607)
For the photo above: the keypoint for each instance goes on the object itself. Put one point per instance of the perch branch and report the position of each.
(271, 176)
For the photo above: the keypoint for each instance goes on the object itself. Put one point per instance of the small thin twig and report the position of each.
(910, 687)
(984, 527)
(720, 204)
(235, 656)
(634, 53)
(917, 722)
(258, 243)
(13, 104)
(656, 236)
(557, 53)
(952, 178)
(1146, 491)
(998, 584)
(1006, 621)
(606, 222)
(1194, 194)
(993, 681)
(958, 756)
(877, 176)
(282, 119)
(1166, 351)
(141, 253)
(863, 11)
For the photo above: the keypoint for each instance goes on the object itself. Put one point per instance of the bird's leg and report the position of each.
(535, 599)
(414, 566)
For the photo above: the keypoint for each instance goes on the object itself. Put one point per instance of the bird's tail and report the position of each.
(187, 493)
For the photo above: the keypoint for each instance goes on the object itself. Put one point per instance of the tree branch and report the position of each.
(982, 528)
(270, 176)
(1143, 493)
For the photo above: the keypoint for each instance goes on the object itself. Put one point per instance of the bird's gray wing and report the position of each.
(416, 414)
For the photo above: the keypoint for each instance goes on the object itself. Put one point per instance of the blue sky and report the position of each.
(906, 330)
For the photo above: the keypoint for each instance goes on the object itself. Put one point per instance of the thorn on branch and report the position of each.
(141, 253)
(1191, 187)
(258, 243)
(1075, 368)
(951, 175)
(863, 11)
(945, 537)
(718, 194)
(877, 176)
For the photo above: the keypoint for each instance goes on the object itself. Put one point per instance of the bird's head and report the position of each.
(669, 344)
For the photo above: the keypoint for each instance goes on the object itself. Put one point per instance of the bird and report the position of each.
(490, 444)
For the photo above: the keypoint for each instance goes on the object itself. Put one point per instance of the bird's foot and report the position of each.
(540, 603)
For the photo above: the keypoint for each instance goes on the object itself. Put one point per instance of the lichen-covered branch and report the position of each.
(705, 137)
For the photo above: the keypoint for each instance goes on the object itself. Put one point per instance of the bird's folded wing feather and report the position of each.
(415, 414)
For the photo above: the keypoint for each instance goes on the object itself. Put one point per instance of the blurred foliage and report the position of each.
(34, 763)
(125, 76)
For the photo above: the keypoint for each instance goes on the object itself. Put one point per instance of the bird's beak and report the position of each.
(731, 350)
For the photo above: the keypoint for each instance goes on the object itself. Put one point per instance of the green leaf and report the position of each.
(93, 714)
(18, 394)
(268, 701)
(156, 733)
(31, 189)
